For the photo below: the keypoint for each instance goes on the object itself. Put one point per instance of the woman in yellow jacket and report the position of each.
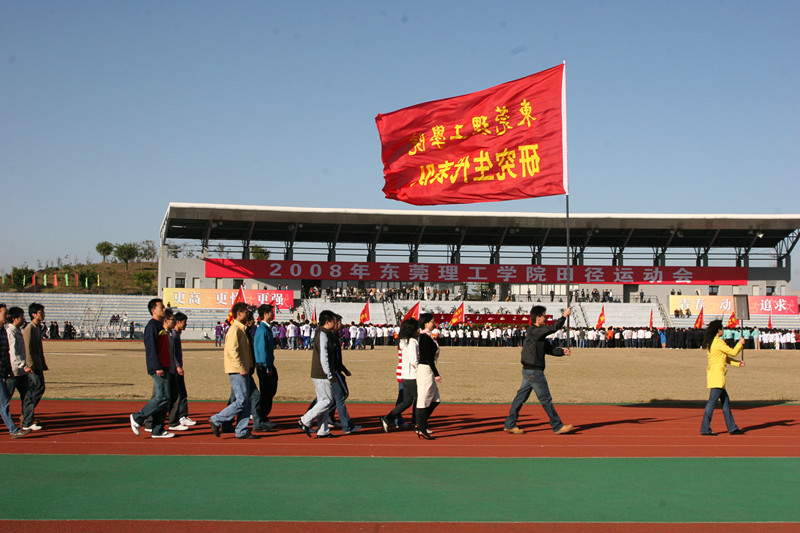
(720, 355)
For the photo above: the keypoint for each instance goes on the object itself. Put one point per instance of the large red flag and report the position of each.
(698, 324)
(239, 298)
(503, 143)
(413, 312)
(602, 318)
(364, 316)
(458, 316)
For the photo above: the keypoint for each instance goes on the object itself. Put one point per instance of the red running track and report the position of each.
(461, 430)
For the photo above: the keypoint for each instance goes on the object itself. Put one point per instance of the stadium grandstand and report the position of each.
(630, 267)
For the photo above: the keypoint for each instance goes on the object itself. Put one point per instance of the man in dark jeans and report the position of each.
(534, 349)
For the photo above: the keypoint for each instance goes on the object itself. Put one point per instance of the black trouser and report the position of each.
(268, 383)
(409, 399)
(21, 384)
(179, 406)
(423, 413)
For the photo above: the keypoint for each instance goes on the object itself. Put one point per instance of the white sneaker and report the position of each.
(149, 430)
(134, 426)
(179, 427)
(165, 435)
(186, 421)
(33, 427)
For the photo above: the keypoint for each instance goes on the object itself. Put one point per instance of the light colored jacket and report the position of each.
(33, 347)
(16, 348)
(720, 355)
(237, 353)
(408, 365)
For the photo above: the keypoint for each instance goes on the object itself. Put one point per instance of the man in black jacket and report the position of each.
(534, 349)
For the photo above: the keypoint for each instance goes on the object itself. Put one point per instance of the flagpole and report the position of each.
(569, 269)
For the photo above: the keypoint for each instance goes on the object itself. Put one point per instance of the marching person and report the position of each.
(238, 362)
(32, 336)
(264, 348)
(321, 377)
(5, 374)
(427, 376)
(409, 352)
(534, 349)
(158, 360)
(719, 357)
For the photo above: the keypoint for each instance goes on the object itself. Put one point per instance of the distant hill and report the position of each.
(114, 278)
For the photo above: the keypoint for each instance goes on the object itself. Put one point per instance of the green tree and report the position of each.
(148, 250)
(126, 252)
(19, 274)
(259, 252)
(144, 280)
(105, 249)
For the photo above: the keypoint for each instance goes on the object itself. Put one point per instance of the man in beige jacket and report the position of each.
(239, 361)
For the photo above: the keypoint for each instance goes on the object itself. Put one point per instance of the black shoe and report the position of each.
(304, 428)
(738, 431)
(423, 434)
(262, 429)
(214, 428)
(248, 435)
(385, 424)
(709, 434)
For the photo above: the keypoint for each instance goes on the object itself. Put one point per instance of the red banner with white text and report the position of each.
(443, 273)
(503, 143)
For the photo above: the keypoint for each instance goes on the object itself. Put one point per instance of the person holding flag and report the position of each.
(719, 357)
(534, 349)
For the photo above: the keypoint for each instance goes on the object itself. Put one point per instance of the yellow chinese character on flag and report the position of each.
(529, 159)
(437, 139)
(480, 125)
(419, 143)
(502, 120)
(458, 135)
(484, 163)
(525, 110)
(506, 160)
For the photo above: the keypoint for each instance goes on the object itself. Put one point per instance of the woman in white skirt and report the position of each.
(427, 376)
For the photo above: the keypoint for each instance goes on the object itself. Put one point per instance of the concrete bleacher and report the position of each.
(617, 314)
(350, 311)
(62, 307)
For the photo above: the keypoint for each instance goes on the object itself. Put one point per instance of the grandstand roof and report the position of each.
(217, 222)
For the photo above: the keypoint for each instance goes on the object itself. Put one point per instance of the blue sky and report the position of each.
(110, 110)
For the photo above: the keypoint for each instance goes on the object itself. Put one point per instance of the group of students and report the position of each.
(22, 365)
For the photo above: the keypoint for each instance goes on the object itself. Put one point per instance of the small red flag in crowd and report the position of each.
(413, 312)
(698, 324)
(364, 316)
(239, 298)
(769, 325)
(601, 319)
(651, 319)
(458, 316)
(732, 321)
(503, 143)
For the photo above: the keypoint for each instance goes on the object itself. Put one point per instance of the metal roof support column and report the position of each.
(702, 252)
(494, 249)
(288, 250)
(413, 248)
(455, 249)
(783, 252)
(332, 244)
(373, 246)
(246, 241)
(536, 249)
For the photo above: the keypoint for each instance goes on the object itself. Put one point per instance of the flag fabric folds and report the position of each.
(503, 143)
(239, 298)
(732, 321)
(651, 319)
(698, 323)
(458, 316)
(602, 318)
(769, 325)
(413, 312)
(364, 316)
